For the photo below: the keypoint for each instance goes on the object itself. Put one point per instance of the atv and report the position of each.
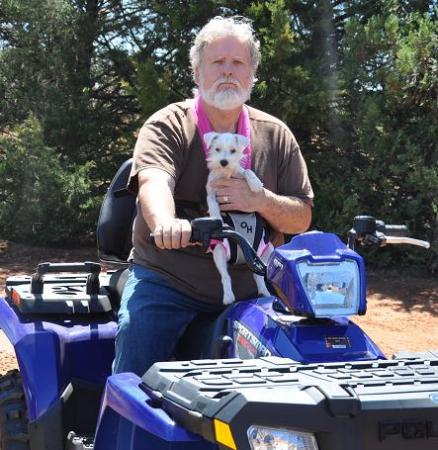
(290, 371)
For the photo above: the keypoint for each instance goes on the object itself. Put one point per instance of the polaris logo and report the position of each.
(412, 429)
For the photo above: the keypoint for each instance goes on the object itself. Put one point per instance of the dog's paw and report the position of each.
(253, 181)
(228, 298)
(263, 292)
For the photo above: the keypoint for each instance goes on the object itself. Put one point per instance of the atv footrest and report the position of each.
(383, 404)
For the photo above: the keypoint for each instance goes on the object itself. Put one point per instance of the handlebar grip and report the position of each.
(395, 230)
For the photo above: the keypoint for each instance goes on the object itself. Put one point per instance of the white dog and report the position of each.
(225, 151)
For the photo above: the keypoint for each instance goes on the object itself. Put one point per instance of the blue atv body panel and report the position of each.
(316, 248)
(129, 420)
(257, 330)
(51, 354)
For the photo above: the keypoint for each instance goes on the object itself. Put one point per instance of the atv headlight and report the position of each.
(264, 438)
(332, 288)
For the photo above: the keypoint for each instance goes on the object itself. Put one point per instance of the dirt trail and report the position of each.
(402, 309)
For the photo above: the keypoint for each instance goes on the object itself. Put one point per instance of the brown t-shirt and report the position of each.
(169, 140)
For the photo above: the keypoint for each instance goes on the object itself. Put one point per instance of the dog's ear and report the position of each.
(241, 141)
(210, 137)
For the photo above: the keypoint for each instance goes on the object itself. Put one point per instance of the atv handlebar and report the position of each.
(366, 230)
(392, 230)
(369, 231)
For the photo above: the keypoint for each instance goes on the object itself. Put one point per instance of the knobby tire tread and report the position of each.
(13, 413)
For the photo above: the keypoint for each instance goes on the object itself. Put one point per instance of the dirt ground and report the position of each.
(402, 308)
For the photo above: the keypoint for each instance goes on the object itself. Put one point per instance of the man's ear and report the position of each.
(196, 76)
(241, 141)
(210, 137)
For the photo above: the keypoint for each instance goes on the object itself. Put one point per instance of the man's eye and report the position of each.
(218, 149)
(233, 150)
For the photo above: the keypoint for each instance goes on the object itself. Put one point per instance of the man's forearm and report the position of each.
(156, 198)
(286, 214)
(158, 209)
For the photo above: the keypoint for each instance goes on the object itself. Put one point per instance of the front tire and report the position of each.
(13, 413)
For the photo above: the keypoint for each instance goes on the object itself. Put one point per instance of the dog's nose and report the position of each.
(223, 162)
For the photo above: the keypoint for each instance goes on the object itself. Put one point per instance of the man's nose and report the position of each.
(223, 162)
(227, 69)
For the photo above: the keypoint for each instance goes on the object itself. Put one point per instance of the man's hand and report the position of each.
(173, 234)
(234, 194)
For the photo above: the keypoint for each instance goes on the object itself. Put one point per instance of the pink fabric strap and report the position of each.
(204, 126)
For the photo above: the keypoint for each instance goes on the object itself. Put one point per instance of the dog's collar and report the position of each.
(243, 127)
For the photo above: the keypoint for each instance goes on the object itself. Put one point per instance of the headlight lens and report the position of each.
(332, 288)
(264, 438)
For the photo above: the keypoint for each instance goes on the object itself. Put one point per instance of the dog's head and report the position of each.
(225, 150)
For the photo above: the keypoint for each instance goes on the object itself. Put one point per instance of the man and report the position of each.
(172, 281)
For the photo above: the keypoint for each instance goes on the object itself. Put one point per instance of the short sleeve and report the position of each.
(160, 144)
(293, 178)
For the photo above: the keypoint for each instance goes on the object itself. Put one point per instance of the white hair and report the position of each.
(220, 27)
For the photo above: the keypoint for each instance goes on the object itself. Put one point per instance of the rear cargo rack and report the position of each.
(57, 288)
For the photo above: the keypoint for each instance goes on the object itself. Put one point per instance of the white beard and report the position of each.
(225, 99)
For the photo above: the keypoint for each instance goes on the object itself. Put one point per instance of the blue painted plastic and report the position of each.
(50, 354)
(128, 420)
(315, 247)
(298, 338)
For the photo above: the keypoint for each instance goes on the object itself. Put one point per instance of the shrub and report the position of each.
(43, 200)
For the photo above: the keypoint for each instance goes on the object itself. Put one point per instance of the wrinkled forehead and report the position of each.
(226, 46)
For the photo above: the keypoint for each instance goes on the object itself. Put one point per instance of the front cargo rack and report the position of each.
(367, 405)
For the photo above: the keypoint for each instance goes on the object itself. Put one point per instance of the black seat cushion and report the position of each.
(114, 228)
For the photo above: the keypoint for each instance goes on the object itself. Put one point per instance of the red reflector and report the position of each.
(15, 297)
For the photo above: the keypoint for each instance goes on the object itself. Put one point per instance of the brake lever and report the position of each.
(406, 240)
(379, 239)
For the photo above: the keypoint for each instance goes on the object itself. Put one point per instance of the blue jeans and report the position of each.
(151, 319)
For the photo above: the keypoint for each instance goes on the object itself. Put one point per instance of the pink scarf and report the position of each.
(204, 126)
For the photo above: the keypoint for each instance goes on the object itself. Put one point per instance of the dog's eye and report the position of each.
(218, 149)
(233, 150)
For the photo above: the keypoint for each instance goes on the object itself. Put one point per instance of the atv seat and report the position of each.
(114, 229)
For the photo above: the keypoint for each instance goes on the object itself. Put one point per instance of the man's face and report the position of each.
(225, 74)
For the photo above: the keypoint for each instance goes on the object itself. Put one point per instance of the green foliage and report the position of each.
(391, 79)
(356, 81)
(48, 67)
(40, 200)
(153, 91)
